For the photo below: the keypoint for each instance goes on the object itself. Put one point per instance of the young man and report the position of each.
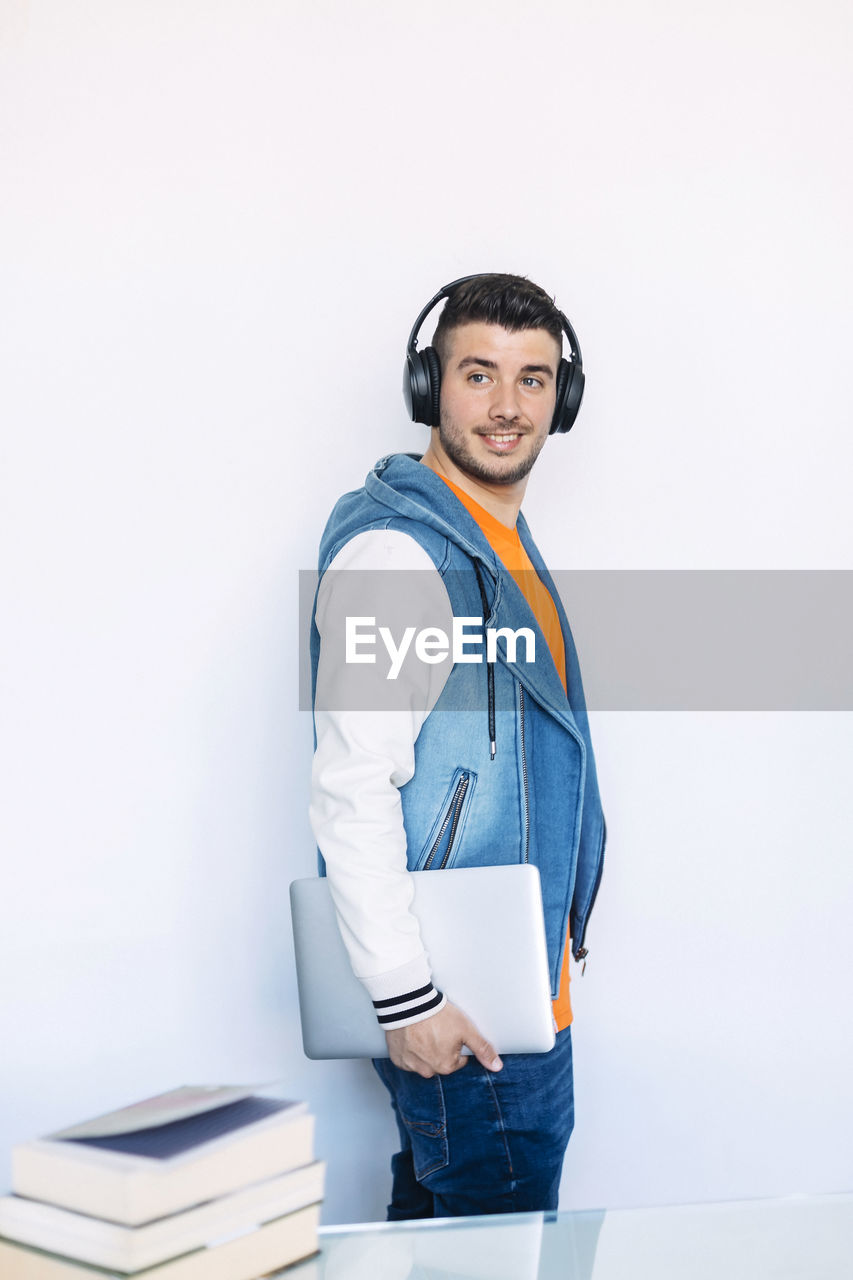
(471, 764)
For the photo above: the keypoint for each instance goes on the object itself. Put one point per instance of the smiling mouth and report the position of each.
(503, 441)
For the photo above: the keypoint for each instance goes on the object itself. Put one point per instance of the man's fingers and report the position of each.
(485, 1053)
(411, 1062)
(457, 1064)
(433, 1045)
(417, 1066)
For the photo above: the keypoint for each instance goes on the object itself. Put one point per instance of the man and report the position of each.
(473, 764)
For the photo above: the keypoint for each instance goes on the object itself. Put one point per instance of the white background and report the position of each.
(217, 223)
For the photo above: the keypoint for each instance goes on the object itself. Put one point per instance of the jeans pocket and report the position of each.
(420, 1104)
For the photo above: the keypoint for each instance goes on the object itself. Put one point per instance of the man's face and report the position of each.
(497, 399)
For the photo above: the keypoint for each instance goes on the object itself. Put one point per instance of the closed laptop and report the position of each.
(484, 933)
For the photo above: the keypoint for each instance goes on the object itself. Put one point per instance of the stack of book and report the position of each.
(203, 1183)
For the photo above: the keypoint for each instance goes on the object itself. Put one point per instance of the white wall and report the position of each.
(218, 223)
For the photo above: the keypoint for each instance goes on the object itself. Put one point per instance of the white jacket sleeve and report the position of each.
(369, 709)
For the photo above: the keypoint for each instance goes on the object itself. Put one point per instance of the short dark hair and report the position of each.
(513, 302)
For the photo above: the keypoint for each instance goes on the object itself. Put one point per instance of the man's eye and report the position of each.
(532, 382)
(478, 378)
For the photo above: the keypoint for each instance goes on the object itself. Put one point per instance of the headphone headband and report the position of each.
(422, 374)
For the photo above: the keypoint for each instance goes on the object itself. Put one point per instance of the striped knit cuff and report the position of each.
(411, 1007)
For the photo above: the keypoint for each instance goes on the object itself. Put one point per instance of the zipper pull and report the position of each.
(582, 955)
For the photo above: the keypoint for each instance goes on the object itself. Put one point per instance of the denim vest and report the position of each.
(536, 800)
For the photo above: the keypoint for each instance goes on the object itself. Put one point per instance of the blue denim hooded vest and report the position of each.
(536, 799)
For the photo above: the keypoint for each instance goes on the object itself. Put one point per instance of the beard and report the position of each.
(492, 470)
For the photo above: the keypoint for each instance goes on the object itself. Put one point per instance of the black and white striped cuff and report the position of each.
(412, 1006)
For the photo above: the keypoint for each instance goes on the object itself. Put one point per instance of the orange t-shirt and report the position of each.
(507, 545)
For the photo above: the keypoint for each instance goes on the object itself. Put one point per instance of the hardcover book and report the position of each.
(133, 1166)
(129, 1249)
(276, 1244)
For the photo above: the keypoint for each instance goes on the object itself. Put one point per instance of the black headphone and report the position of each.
(422, 374)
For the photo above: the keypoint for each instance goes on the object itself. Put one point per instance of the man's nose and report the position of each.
(504, 403)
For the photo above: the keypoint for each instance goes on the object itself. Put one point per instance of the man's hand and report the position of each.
(434, 1046)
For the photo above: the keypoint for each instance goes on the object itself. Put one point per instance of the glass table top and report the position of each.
(794, 1238)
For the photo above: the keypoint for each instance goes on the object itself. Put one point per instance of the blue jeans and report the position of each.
(479, 1141)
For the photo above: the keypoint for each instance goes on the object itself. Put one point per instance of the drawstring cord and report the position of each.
(490, 668)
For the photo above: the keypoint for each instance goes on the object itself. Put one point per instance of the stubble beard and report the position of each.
(500, 471)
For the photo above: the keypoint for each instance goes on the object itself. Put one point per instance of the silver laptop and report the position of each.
(484, 932)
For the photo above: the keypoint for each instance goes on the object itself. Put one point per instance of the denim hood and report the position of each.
(400, 493)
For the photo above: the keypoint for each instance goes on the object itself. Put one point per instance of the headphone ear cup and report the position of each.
(416, 387)
(422, 386)
(570, 384)
(431, 360)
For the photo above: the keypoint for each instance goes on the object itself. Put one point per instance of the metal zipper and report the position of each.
(598, 873)
(583, 952)
(451, 817)
(524, 776)
(460, 796)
